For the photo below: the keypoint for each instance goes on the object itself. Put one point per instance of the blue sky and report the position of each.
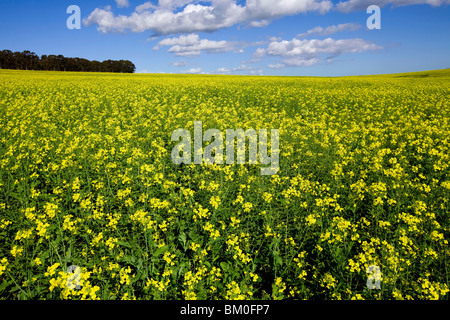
(284, 37)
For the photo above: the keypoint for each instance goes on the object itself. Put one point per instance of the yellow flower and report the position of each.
(215, 201)
(201, 213)
(168, 257)
(194, 246)
(328, 281)
(16, 251)
(96, 240)
(267, 197)
(310, 219)
(247, 207)
(51, 270)
(3, 265)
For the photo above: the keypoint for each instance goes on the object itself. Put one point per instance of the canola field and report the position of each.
(92, 206)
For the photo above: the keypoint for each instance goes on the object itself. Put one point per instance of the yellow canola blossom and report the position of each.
(87, 178)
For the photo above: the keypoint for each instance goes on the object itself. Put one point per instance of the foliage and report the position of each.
(27, 60)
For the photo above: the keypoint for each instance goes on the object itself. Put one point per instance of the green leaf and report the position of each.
(181, 269)
(161, 250)
(278, 260)
(69, 254)
(224, 266)
(129, 259)
(5, 284)
(182, 238)
(123, 243)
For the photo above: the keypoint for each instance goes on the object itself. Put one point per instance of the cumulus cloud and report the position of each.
(189, 16)
(258, 72)
(259, 53)
(300, 62)
(194, 71)
(276, 66)
(223, 71)
(122, 3)
(245, 69)
(298, 52)
(272, 39)
(192, 45)
(180, 63)
(145, 6)
(320, 31)
(242, 68)
(356, 5)
(173, 4)
(184, 16)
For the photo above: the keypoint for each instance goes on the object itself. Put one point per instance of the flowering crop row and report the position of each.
(86, 179)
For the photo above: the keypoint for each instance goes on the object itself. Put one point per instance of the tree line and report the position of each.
(27, 60)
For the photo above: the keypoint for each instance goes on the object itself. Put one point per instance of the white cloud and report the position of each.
(259, 23)
(173, 4)
(122, 3)
(355, 5)
(192, 45)
(194, 71)
(184, 16)
(320, 31)
(188, 16)
(256, 72)
(245, 69)
(299, 62)
(145, 6)
(223, 70)
(149, 39)
(259, 53)
(183, 40)
(309, 52)
(180, 63)
(276, 66)
(272, 39)
(242, 67)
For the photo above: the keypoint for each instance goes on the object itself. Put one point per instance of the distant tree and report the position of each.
(28, 60)
(19, 60)
(96, 66)
(128, 66)
(7, 59)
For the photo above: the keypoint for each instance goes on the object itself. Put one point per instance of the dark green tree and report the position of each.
(28, 60)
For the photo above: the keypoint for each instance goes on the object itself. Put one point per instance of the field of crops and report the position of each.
(87, 184)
